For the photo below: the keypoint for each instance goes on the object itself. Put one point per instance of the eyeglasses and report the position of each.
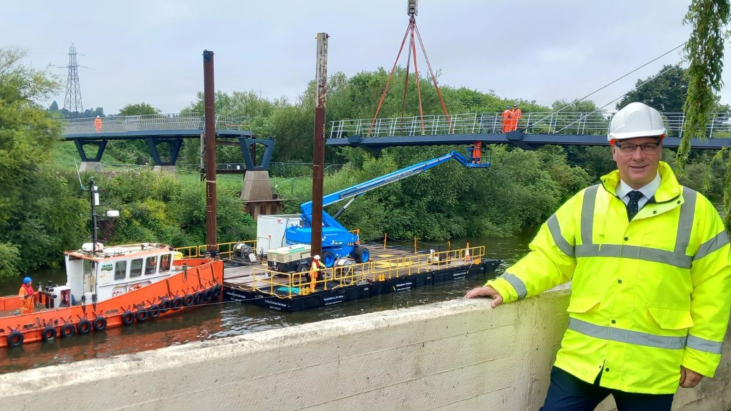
(647, 148)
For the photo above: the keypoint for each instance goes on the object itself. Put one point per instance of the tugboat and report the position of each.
(110, 287)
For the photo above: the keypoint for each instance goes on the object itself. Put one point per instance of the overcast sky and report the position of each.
(151, 50)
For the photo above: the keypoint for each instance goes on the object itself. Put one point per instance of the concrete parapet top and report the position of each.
(453, 355)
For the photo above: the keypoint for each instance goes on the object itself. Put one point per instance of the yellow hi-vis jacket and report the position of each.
(647, 296)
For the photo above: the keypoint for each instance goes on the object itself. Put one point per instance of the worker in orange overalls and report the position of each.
(27, 294)
(507, 115)
(316, 267)
(477, 153)
(98, 124)
(517, 115)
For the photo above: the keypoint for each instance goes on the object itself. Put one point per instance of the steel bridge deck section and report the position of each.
(516, 138)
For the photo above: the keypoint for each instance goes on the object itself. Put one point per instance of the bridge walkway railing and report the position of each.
(153, 122)
(569, 123)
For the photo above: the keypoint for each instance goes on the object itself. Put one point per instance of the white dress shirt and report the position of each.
(647, 191)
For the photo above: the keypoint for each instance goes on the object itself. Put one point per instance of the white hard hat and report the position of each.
(316, 257)
(636, 120)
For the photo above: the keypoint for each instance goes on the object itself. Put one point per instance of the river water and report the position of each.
(229, 319)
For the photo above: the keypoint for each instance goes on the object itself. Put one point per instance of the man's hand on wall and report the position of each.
(689, 378)
(485, 291)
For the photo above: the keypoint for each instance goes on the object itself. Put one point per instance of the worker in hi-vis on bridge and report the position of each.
(315, 268)
(515, 117)
(648, 261)
(507, 115)
(98, 124)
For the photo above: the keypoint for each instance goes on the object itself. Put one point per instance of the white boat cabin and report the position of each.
(113, 271)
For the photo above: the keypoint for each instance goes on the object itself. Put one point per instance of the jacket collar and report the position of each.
(669, 186)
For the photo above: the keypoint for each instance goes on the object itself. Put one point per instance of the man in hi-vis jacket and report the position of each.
(650, 272)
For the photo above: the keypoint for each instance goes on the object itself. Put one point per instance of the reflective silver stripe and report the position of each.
(517, 283)
(626, 336)
(714, 244)
(704, 345)
(555, 228)
(635, 252)
(587, 215)
(685, 222)
(676, 258)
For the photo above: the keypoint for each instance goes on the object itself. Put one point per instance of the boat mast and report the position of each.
(94, 192)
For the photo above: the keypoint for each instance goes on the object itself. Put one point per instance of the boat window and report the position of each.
(135, 269)
(165, 262)
(120, 270)
(151, 265)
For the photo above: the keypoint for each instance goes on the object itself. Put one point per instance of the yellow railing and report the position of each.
(225, 250)
(288, 285)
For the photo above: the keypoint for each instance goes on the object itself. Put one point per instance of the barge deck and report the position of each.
(389, 270)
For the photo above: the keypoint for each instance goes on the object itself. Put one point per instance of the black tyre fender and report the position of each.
(48, 333)
(83, 327)
(128, 318)
(142, 315)
(188, 300)
(207, 295)
(154, 311)
(99, 323)
(217, 290)
(68, 331)
(165, 306)
(177, 303)
(198, 298)
(15, 339)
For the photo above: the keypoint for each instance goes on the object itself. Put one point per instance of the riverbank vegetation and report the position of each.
(43, 210)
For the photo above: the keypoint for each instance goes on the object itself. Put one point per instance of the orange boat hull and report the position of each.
(200, 283)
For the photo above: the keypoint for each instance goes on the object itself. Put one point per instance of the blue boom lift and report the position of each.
(337, 241)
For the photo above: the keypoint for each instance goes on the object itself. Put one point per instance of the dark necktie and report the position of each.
(634, 204)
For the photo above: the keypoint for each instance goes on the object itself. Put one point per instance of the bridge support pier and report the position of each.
(257, 191)
(95, 166)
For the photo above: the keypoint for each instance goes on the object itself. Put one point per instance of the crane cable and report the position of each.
(410, 31)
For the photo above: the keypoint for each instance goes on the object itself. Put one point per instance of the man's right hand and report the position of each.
(485, 291)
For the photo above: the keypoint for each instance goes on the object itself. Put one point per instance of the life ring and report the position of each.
(48, 333)
(83, 327)
(99, 324)
(188, 300)
(142, 315)
(15, 339)
(135, 287)
(154, 311)
(177, 303)
(128, 318)
(68, 330)
(165, 306)
(198, 298)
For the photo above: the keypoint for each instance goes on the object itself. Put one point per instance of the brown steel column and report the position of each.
(318, 153)
(209, 99)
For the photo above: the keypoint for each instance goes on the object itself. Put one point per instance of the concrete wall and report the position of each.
(456, 355)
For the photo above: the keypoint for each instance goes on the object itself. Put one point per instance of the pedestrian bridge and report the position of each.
(131, 127)
(163, 133)
(534, 129)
